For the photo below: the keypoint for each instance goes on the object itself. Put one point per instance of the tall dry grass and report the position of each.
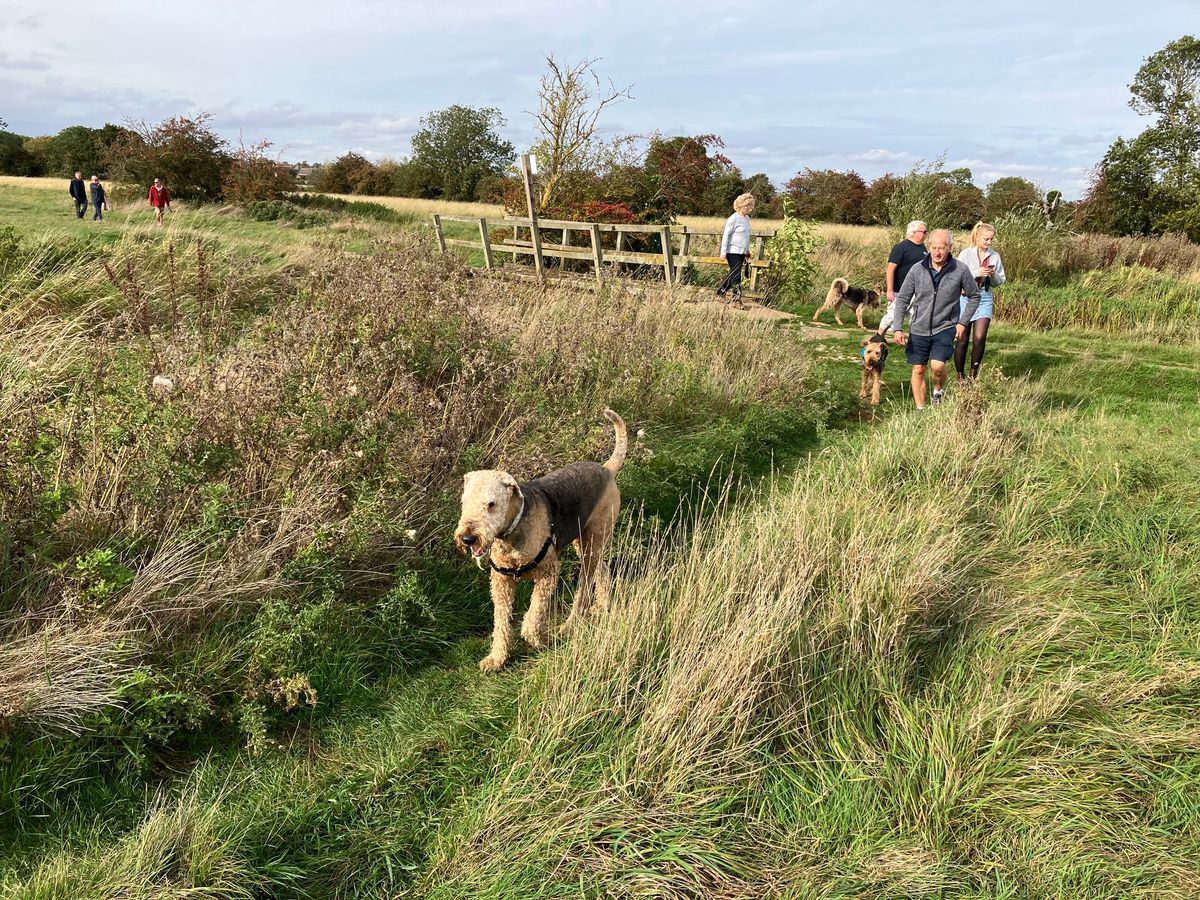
(427, 208)
(22, 181)
(845, 688)
(343, 403)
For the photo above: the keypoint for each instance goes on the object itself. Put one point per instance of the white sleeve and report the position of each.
(727, 235)
(969, 258)
(998, 276)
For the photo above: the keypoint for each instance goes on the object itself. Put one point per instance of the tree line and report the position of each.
(1148, 185)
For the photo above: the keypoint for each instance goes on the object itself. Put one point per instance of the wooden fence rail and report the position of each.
(675, 260)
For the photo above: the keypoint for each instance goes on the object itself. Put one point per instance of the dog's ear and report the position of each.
(866, 341)
(508, 481)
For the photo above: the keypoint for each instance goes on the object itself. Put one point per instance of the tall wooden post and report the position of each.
(597, 253)
(759, 245)
(684, 246)
(487, 243)
(536, 234)
(437, 227)
(668, 266)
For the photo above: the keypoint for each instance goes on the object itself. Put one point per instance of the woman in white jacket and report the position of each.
(987, 267)
(735, 248)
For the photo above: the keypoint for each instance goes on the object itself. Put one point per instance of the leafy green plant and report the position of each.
(10, 246)
(100, 575)
(282, 211)
(792, 252)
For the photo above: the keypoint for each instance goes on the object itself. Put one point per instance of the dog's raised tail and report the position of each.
(617, 459)
(839, 287)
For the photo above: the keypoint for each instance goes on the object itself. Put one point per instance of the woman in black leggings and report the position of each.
(735, 247)
(987, 267)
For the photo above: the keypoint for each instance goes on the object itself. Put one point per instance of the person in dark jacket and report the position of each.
(79, 193)
(931, 293)
(98, 201)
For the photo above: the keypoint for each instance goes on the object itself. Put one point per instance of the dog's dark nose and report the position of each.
(469, 539)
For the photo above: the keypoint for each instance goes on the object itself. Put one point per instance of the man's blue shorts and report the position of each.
(923, 347)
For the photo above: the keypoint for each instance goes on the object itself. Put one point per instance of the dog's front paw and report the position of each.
(535, 639)
(862, 395)
(492, 663)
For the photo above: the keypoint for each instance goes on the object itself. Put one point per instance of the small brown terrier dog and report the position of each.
(874, 354)
(519, 530)
(841, 293)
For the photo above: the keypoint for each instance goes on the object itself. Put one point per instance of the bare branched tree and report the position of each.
(570, 101)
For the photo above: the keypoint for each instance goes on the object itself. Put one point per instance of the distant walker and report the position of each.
(160, 199)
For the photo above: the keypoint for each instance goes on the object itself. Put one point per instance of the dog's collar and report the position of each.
(518, 571)
(512, 526)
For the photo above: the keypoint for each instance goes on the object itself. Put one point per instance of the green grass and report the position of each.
(774, 708)
(42, 215)
(1013, 721)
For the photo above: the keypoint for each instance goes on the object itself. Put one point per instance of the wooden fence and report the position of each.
(676, 256)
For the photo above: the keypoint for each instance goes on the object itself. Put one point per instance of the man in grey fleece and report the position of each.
(931, 291)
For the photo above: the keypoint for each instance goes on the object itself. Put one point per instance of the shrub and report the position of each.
(183, 151)
(792, 252)
(254, 176)
(365, 209)
(279, 211)
(10, 247)
(343, 175)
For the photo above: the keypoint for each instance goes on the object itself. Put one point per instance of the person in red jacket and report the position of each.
(159, 199)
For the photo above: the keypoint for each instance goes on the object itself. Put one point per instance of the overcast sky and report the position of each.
(1038, 89)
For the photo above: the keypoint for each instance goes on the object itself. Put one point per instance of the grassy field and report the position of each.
(427, 208)
(854, 653)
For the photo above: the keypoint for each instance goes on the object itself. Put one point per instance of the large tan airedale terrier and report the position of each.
(520, 529)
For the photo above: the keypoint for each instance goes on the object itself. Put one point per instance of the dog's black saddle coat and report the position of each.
(570, 496)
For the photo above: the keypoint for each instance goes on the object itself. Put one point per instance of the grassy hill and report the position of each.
(853, 652)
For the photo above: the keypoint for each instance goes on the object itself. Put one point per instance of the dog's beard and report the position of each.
(478, 552)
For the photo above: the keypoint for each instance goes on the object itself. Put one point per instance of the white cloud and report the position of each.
(811, 89)
(881, 156)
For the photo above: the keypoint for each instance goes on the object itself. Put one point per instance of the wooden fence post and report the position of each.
(683, 251)
(668, 265)
(535, 233)
(487, 244)
(437, 227)
(597, 253)
(539, 263)
(759, 246)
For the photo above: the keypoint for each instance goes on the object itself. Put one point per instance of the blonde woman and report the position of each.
(735, 248)
(988, 269)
